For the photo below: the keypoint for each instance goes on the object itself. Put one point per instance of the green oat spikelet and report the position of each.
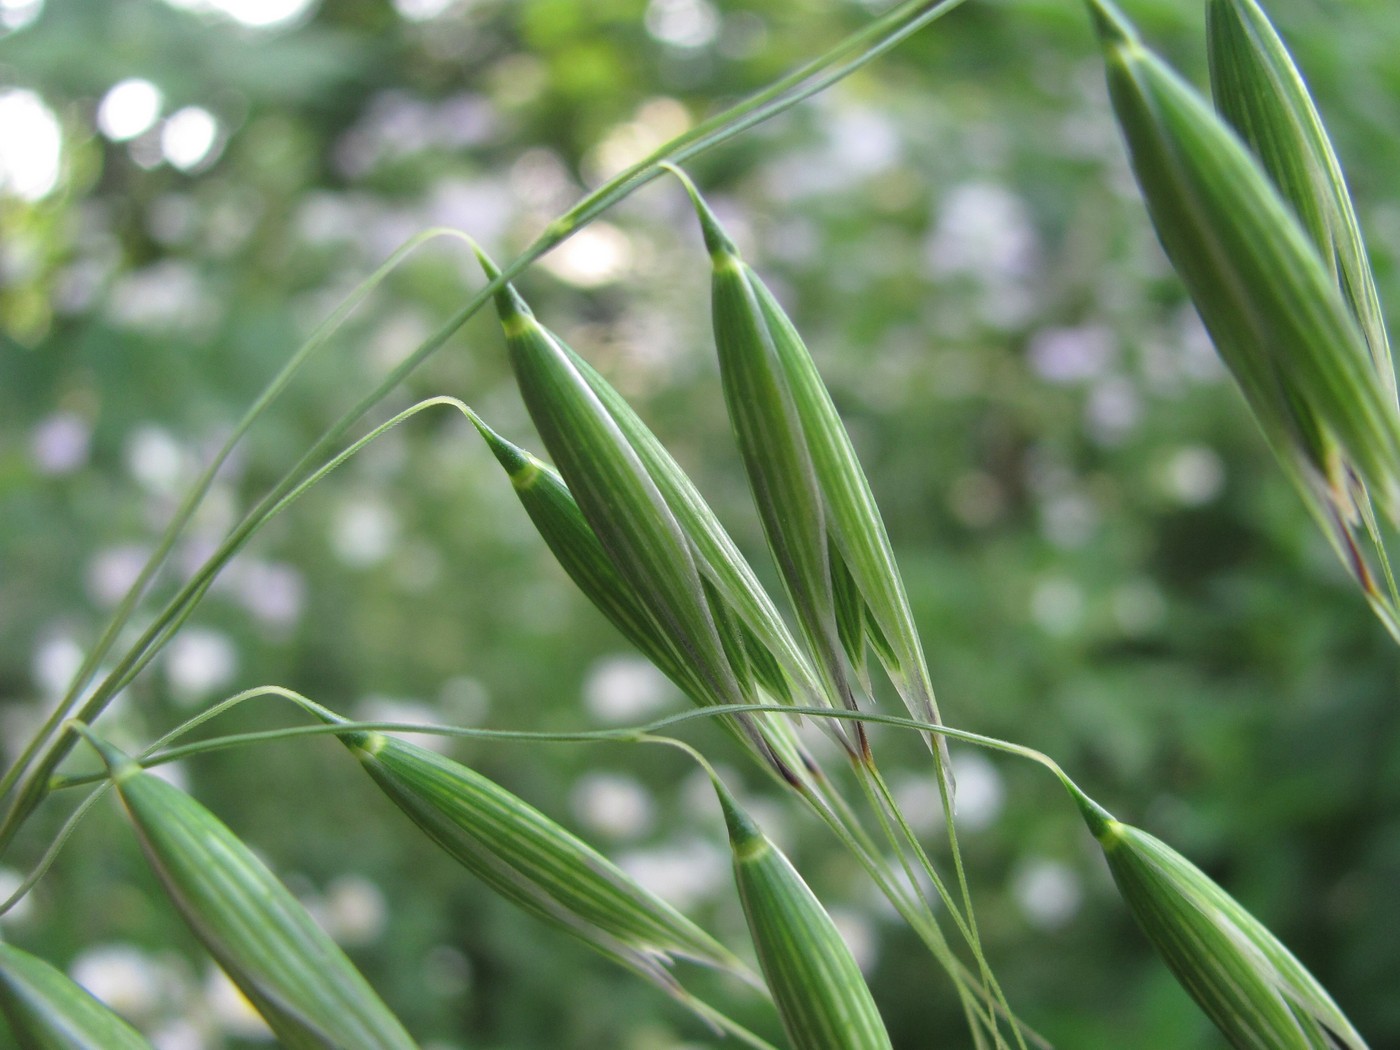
(297, 978)
(1254, 990)
(627, 512)
(777, 461)
(818, 509)
(48, 1011)
(820, 993)
(1258, 89)
(1260, 92)
(1266, 296)
(776, 660)
(556, 516)
(534, 862)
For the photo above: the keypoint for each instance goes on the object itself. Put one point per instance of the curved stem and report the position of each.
(192, 500)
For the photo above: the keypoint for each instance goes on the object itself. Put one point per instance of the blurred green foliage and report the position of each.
(1103, 559)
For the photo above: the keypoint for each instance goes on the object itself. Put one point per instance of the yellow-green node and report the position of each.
(528, 474)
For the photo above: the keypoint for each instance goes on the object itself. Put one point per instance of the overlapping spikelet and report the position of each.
(1252, 987)
(684, 587)
(296, 977)
(1298, 328)
(821, 995)
(818, 511)
(47, 1011)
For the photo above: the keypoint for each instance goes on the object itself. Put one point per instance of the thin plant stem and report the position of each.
(974, 940)
(192, 499)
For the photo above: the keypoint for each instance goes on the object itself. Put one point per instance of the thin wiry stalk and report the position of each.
(192, 500)
(991, 986)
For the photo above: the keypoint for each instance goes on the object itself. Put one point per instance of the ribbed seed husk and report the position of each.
(777, 460)
(1261, 288)
(615, 493)
(818, 510)
(1259, 90)
(1261, 93)
(1254, 990)
(557, 517)
(821, 996)
(629, 515)
(774, 657)
(48, 1011)
(296, 977)
(533, 861)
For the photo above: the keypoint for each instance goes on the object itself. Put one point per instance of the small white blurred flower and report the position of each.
(231, 1008)
(24, 907)
(111, 573)
(616, 805)
(199, 661)
(597, 255)
(684, 873)
(56, 661)
(1049, 892)
(155, 459)
(59, 443)
(1072, 355)
(981, 793)
(353, 910)
(1195, 475)
(859, 935)
(364, 532)
(179, 1035)
(273, 592)
(122, 976)
(625, 688)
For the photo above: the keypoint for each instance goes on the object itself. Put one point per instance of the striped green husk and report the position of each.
(628, 514)
(772, 653)
(818, 510)
(1246, 981)
(821, 996)
(1260, 92)
(559, 521)
(296, 977)
(777, 460)
(534, 862)
(617, 496)
(1268, 301)
(47, 1011)
(556, 516)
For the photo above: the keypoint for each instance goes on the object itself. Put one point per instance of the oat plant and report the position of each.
(1250, 205)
